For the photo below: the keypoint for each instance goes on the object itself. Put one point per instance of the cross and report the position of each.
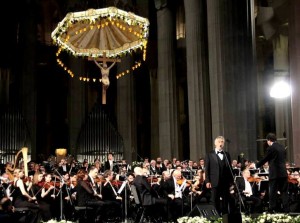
(105, 59)
(105, 72)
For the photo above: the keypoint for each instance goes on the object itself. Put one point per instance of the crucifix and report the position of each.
(104, 72)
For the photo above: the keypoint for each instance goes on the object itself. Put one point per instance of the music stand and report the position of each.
(236, 171)
(253, 171)
(187, 175)
(264, 174)
(293, 169)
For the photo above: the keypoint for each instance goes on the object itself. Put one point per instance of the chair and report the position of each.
(248, 207)
(82, 213)
(22, 214)
(140, 212)
(143, 212)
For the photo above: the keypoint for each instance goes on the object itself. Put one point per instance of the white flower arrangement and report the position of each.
(58, 221)
(270, 218)
(196, 219)
(136, 163)
(264, 218)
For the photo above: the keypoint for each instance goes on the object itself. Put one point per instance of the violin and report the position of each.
(47, 185)
(116, 183)
(292, 180)
(181, 181)
(254, 179)
(27, 179)
(41, 183)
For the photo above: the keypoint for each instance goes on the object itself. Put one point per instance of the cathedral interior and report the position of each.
(208, 71)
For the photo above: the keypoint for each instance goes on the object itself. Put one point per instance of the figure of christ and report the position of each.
(105, 72)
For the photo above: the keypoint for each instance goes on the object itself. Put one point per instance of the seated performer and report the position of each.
(248, 191)
(198, 188)
(148, 196)
(176, 190)
(86, 196)
(109, 194)
(21, 197)
(44, 205)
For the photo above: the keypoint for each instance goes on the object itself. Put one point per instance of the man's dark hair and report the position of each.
(271, 137)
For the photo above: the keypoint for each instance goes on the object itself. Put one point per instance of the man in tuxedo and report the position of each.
(63, 166)
(218, 175)
(110, 164)
(152, 168)
(92, 175)
(278, 178)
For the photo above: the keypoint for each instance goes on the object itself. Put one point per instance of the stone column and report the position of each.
(28, 91)
(232, 77)
(197, 80)
(294, 56)
(126, 110)
(167, 95)
(4, 86)
(154, 112)
(77, 109)
(215, 66)
(282, 105)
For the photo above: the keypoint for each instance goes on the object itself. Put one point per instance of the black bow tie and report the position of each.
(221, 152)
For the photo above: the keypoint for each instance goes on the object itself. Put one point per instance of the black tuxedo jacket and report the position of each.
(216, 173)
(84, 193)
(276, 156)
(145, 192)
(61, 169)
(115, 168)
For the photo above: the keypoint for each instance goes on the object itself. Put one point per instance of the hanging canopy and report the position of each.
(94, 32)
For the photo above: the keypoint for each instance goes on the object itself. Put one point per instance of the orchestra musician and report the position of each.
(294, 192)
(128, 196)
(199, 189)
(22, 198)
(86, 196)
(92, 175)
(5, 185)
(7, 213)
(248, 191)
(158, 185)
(63, 166)
(44, 205)
(111, 164)
(67, 200)
(148, 196)
(50, 190)
(110, 195)
(175, 189)
(99, 166)
(152, 168)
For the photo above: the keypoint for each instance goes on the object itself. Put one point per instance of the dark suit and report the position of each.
(153, 170)
(146, 193)
(149, 198)
(218, 173)
(85, 197)
(115, 167)
(278, 181)
(64, 169)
